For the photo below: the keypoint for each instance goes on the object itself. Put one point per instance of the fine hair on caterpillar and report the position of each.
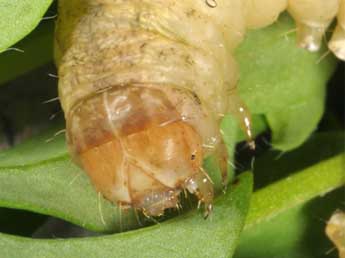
(144, 83)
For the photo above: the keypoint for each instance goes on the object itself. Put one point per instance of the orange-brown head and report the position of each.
(137, 149)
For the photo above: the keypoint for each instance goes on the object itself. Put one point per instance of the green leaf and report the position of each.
(285, 83)
(57, 187)
(284, 213)
(37, 50)
(187, 236)
(19, 18)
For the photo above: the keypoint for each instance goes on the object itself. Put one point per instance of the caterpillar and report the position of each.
(144, 85)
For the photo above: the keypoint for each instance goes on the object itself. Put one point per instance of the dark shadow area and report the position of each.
(19, 222)
(245, 157)
(29, 224)
(335, 106)
(318, 212)
(274, 165)
(57, 228)
(28, 107)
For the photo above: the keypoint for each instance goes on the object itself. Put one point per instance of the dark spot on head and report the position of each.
(196, 98)
(192, 157)
(188, 59)
(143, 45)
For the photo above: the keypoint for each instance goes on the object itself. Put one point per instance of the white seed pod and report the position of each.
(335, 230)
(337, 42)
(312, 19)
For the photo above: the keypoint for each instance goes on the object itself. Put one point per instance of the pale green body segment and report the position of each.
(164, 44)
(187, 44)
(143, 42)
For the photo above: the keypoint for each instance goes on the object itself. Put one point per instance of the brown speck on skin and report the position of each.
(161, 54)
(190, 13)
(189, 60)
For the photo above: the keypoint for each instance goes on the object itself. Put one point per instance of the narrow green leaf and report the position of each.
(187, 236)
(290, 213)
(298, 232)
(296, 189)
(19, 18)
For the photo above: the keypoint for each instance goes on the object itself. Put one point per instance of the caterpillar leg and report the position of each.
(223, 161)
(238, 109)
(312, 19)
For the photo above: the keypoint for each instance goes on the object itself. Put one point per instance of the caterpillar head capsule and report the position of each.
(137, 150)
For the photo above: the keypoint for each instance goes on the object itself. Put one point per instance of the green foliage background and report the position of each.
(294, 179)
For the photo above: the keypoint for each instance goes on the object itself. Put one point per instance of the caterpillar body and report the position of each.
(144, 84)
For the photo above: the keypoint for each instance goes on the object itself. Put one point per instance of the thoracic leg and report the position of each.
(312, 19)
